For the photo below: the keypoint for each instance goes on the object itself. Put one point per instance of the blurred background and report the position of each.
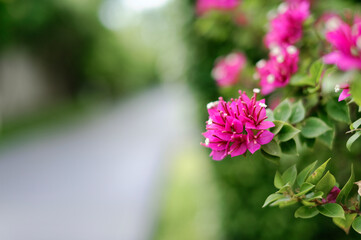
(102, 103)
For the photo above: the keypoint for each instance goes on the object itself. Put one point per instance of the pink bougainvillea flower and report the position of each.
(329, 21)
(346, 43)
(277, 71)
(227, 70)
(204, 6)
(235, 126)
(332, 195)
(345, 91)
(286, 26)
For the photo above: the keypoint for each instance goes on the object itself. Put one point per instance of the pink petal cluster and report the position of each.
(332, 195)
(285, 30)
(345, 91)
(346, 43)
(204, 6)
(227, 70)
(286, 27)
(238, 125)
(277, 71)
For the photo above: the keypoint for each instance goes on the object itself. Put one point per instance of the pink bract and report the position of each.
(345, 91)
(346, 43)
(227, 70)
(286, 27)
(237, 125)
(204, 6)
(277, 71)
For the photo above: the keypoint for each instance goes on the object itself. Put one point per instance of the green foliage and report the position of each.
(314, 127)
(306, 212)
(356, 225)
(289, 147)
(317, 174)
(352, 139)
(298, 112)
(305, 173)
(326, 183)
(345, 223)
(338, 110)
(283, 111)
(345, 191)
(356, 91)
(287, 132)
(332, 210)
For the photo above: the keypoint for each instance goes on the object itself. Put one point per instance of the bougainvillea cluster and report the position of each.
(285, 31)
(237, 126)
(227, 69)
(346, 44)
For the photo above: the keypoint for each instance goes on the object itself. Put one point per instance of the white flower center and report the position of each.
(256, 90)
(218, 73)
(275, 50)
(206, 141)
(337, 88)
(282, 8)
(280, 59)
(263, 105)
(210, 121)
(212, 104)
(261, 63)
(270, 78)
(332, 24)
(231, 59)
(291, 49)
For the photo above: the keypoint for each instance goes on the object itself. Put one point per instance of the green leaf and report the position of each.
(305, 188)
(352, 139)
(287, 132)
(306, 212)
(356, 91)
(331, 210)
(283, 111)
(285, 189)
(326, 183)
(271, 198)
(314, 127)
(272, 148)
(269, 114)
(284, 202)
(356, 225)
(356, 124)
(338, 110)
(289, 147)
(298, 112)
(311, 196)
(327, 138)
(277, 127)
(278, 181)
(345, 191)
(304, 173)
(289, 176)
(317, 174)
(345, 224)
(302, 80)
(272, 159)
(316, 71)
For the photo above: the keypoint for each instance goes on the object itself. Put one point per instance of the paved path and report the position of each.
(96, 179)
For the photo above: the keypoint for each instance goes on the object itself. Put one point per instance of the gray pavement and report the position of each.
(99, 178)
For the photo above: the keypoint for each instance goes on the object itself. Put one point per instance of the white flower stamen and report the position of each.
(337, 88)
(263, 105)
(206, 141)
(275, 50)
(332, 24)
(291, 49)
(282, 8)
(270, 78)
(212, 104)
(256, 90)
(261, 63)
(280, 59)
(210, 121)
(231, 59)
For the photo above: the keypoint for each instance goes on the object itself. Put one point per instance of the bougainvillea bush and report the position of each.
(288, 75)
